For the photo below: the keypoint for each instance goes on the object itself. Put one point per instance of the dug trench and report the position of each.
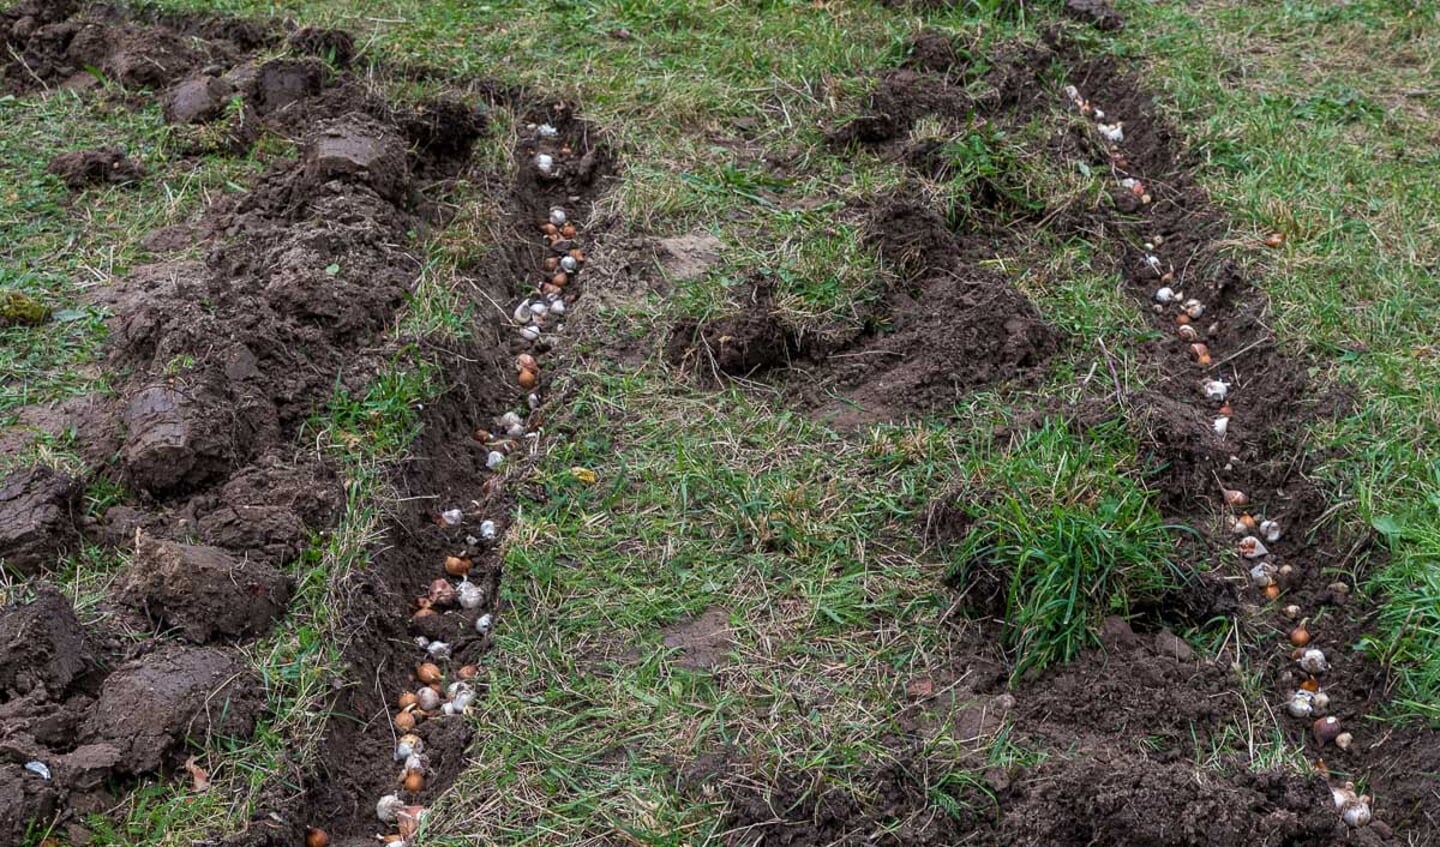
(226, 361)
(1218, 457)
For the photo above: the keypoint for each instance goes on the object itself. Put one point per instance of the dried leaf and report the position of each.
(198, 775)
(585, 475)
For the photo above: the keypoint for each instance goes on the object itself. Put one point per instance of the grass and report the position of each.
(1071, 535)
(799, 536)
(806, 540)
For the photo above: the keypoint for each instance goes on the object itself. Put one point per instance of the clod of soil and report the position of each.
(170, 440)
(1097, 13)
(38, 511)
(24, 795)
(85, 168)
(265, 511)
(281, 83)
(149, 708)
(359, 151)
(746, 344)
(934, 52)
(42, 647)
(198, 100)
(204, 591)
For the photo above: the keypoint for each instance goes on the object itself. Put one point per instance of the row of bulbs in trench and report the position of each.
(1309, 701)
(537, 319)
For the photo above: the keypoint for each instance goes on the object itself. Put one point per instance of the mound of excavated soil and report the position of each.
(952, 328)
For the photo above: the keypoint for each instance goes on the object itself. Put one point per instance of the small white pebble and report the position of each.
(557, 216)
(529, 333)
(544, 163)
(452, 517)
(558, 307)
(1112, 132)
(487, 530)
(1222, 425)
(539, 308)
(547, 131)
(438, 650)
(1270, 530)
(482, 623)
(1166, 294)
(568, 264)
(494, 460)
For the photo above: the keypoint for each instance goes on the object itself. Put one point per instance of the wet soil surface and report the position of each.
(1143, 740)
(222, 361)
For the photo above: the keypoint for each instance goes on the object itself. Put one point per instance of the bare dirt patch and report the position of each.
(702, 642)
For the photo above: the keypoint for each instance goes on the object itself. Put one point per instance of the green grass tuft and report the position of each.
(1068, 539)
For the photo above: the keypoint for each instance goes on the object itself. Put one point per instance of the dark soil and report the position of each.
(39, 508)
(148, 707)
(43, 647)
(950, 329)
(1097, 13)
(61, 706)
(203, 591)
(742, 345)
(85, 168)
